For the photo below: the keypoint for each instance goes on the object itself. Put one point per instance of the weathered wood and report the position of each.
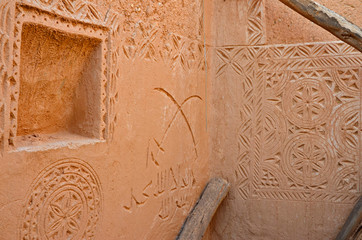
(200, 216)
(329, 20)
(353, 221)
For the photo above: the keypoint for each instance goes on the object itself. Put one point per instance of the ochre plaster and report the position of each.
(114, 115)
(284, 124)
(102, 118)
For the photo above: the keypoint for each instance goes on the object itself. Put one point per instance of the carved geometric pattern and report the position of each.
(307, 102)
(346, 129)
(274, 128)
(307, 159)
(76, 9)
(65, 202)
(146, 36)
(113, 73)
(176, 51)
(75, 17)
(256, 29)
(300, 120)
(6, 22)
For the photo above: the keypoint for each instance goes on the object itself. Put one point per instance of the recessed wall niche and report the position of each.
(61, 80)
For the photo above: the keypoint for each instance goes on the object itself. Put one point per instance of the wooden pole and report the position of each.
(200, 216)
(329, 20)
(353, 221)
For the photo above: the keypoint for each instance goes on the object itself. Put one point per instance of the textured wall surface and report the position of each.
(286, 26)
(110, 119)
(285, 123)
(102, 118)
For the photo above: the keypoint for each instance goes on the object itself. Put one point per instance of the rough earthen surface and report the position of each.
(112, 120)
(102, 118)
(286, 26)
(53, 72)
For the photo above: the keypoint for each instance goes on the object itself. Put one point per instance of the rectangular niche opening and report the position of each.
(60, 87)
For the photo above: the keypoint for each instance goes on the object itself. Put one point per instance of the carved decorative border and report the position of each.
(78, 10)
(175, 51)
(77, 17)
(6, 59)
(266, 74)
(256, 29)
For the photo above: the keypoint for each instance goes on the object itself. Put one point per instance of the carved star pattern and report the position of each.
(309, 159)
(308, 103)
(64, 214)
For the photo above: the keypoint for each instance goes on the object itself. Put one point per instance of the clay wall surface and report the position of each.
(284, 121)
(102, 118)
(112, 120)
(286, 26)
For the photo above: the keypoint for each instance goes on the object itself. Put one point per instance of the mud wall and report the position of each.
(284, 121)
(110, 119)
(102, 118)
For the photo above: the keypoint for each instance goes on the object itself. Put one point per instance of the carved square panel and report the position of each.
(300, 121)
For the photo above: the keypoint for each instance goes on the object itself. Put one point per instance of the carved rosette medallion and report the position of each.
(65, 202)
(307, 103)
(308, 159)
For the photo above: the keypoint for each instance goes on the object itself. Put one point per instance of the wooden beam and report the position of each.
(353, 221)
(200, 216)
(329, 20)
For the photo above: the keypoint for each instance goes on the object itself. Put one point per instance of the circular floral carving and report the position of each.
(307, 103)
(346, 129)
(308, 159)
(64, 203)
